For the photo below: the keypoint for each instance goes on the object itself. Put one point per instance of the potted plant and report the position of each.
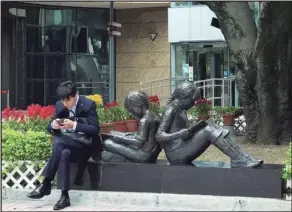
(118, 115)
(97, 99)
(131, 122)
(154, 104)
(105, 120)
(203, 108)
(192, 114)
(228, 115)
(287, 172)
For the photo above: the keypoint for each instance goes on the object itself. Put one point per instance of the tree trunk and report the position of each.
(263, 59)
(240, 32)
(274, 59)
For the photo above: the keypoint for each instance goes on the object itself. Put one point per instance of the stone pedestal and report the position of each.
(205, 178)
(231, 129)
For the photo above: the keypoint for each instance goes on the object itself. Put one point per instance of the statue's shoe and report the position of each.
(247, 162)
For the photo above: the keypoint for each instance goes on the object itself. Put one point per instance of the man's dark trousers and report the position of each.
(64, 153)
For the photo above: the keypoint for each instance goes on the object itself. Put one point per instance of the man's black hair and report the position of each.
(66, 90)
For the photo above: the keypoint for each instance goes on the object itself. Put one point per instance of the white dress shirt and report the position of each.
(72, 112)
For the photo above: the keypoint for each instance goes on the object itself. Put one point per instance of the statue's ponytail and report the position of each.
(171, 98)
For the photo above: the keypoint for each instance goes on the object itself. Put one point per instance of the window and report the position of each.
(183, 4)
(55, 44)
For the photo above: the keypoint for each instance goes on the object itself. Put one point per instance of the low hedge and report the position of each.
(287, 172)
(20, 145)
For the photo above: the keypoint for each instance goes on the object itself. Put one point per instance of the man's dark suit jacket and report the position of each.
(85, 108)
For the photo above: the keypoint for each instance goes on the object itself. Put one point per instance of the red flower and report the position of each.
(46, 112)
(203, 101)
(33, 111)
(111, 105)
(153, 99)
(13, 114)
(6, 113)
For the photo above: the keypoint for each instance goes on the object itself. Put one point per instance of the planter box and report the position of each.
(228, 119)
(106, 128)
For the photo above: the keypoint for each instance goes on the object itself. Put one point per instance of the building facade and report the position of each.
(43, 45)
(46, 43)
(138, 58)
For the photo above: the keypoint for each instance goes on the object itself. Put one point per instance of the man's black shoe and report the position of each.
(40, 191)
(63, 202)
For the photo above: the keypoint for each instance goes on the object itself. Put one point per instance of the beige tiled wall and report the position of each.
(139, 58)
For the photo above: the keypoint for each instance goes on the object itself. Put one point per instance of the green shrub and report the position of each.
(225, 110)
(30, 145)
(287, 173)
(38, 125)
(192, 112)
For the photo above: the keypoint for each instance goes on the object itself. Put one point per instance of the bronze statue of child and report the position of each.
(183, 143)
(139, 147)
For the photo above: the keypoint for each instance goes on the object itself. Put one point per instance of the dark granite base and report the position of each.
(205, 178)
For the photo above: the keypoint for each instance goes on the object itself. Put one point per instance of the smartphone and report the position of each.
(60, 122)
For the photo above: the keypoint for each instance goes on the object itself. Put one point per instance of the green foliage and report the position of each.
(128, 115)
(193, 112)
(30, 124)
(29, 145)
(287, 173)
(204, 107)
(117, 113)
(104, 116)
(155, 108)
(225, 110)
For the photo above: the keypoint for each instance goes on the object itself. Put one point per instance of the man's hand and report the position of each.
(67, 124)
(55, 124)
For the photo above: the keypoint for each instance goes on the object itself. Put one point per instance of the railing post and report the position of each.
(230, 92)
(112, 65)
(204, 86)
(213, 93)
(8, 104)
(223, 93)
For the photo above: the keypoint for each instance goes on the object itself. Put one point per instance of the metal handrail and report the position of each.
(210, 84)
(224, 83)
(93, 85)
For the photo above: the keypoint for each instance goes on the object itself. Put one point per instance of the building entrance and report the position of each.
(209, 66)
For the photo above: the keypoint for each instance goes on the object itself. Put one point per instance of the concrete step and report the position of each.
(132, 201)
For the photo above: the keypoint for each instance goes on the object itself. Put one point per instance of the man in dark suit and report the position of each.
(66, 151)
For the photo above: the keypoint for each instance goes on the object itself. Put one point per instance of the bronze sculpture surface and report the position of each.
(183, 143)
(139, 147)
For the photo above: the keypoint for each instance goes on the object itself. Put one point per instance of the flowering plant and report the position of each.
(24, 133)
(154, 104)
(96, 98)
(128, 115)
(116, 112)
(35, 117)
(203, 107)
(104, 116)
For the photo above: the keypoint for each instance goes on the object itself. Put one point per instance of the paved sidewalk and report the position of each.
(16, 200)
(48, 206)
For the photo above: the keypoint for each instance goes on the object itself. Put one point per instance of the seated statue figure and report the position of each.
(183, 143)
(139, 147)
